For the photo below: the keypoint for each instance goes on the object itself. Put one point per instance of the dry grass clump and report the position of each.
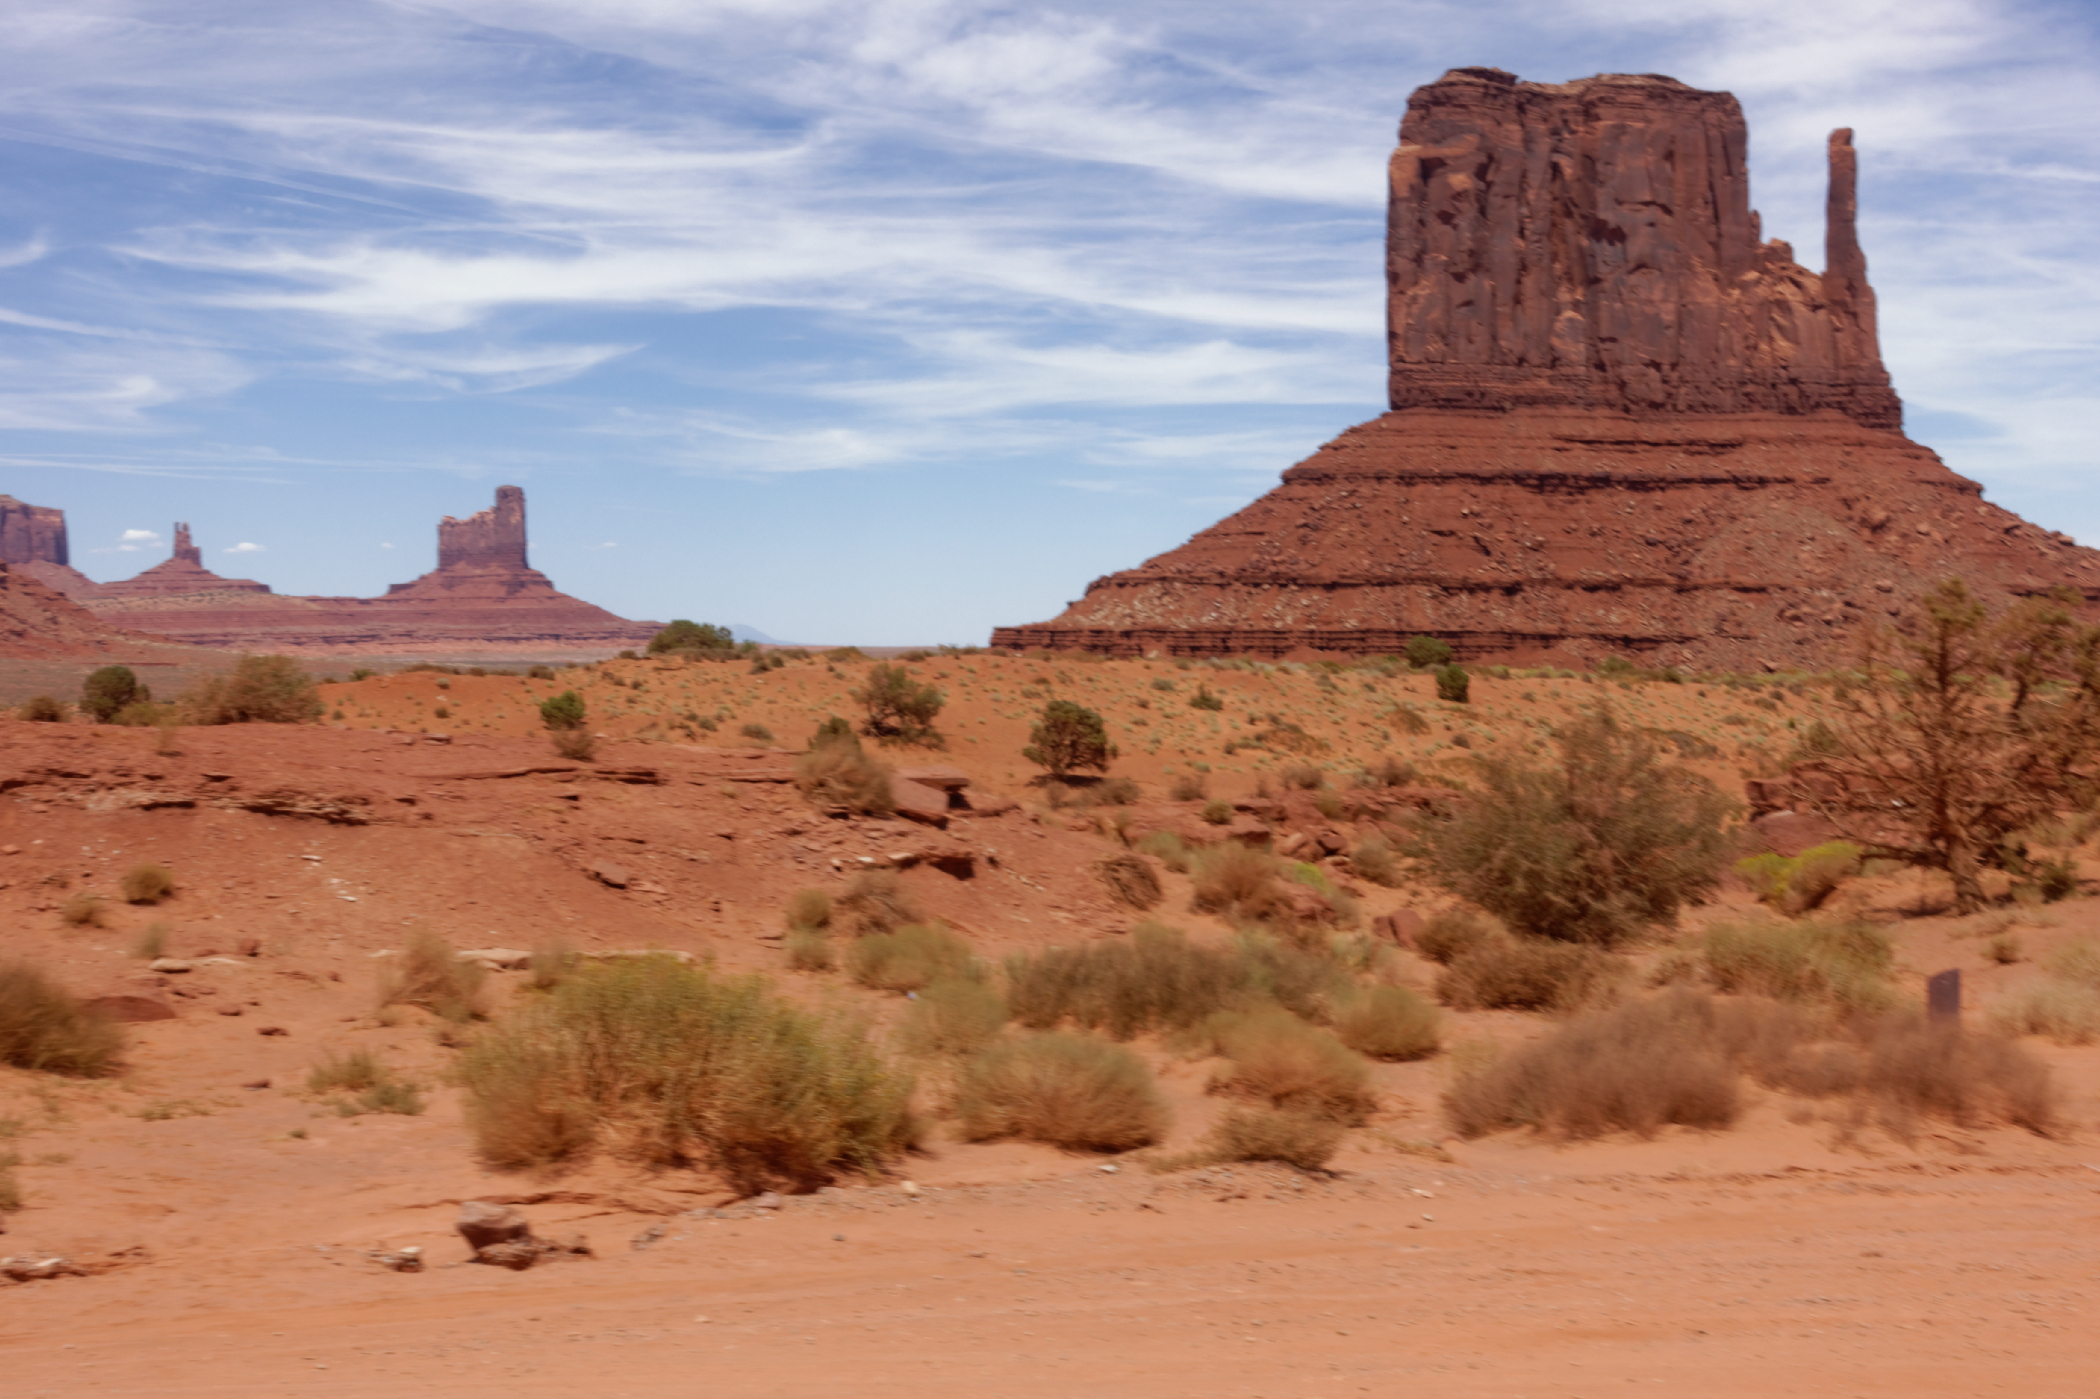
(429, 973)
(1679, 1058)
(1234, 879)
(1455, 932)
(10, 1188)
(1167, 848)
(672, 1065)
(1302, 1139)
(84, 910)
(147, 883)
(1524, 973)
(1156, 979)
(1375, 859)
(1846, 964)
(953, 1018)
(553, 961)
(1388, 1022)
(836, 775)
(1130, 878)
(46, 1030)
(808, 943)
(575, 745)
(367, 1085)
(2063, 1003)
(41, 709)
(1065, 1090)
(874, 902)
(1282, 1061)
(915, 956)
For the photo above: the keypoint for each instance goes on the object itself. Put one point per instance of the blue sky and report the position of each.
(890, 322)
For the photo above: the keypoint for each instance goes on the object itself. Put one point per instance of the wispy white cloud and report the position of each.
(244, 547)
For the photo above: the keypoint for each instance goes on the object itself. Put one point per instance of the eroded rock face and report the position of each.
(31, 533)
(493, 538)
(1591, 245)
(1621, 424)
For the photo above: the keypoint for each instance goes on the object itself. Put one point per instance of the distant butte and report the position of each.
(484, 597)
(1622, 423)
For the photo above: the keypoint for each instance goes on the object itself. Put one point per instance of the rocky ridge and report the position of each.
(1620, 423)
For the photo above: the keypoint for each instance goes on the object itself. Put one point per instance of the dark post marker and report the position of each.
(1943, 995)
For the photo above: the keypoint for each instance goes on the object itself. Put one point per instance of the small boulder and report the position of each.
(38, 1269)
(613, 876)
(918, 802)
(484, 1225)
(130, 1010)
(1400, 926)
(987, 804)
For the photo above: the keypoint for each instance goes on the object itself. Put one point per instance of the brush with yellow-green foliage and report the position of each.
(669, 1064)
(1065, 1090)
(1796, 885)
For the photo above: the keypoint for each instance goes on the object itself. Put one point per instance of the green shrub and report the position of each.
(1388, 1022)
(1453, 685)
(1204, 699)
(897, 705)
(45, 1030)
(1799, 884)
(367, 1084)
(1188, 787)
(259, 690)
(1282, 1061)
(1217, 813)
(152, 944)
(148, 883)
(1301, 777)
(1065, 1090)
(1305, 1140)
(42, 709)
(110, 689)
(1427, 652)
(953, 1018)
(563, 713)
(1523, 973)
(1606, 843)
(1846, 964)
(914, 956)
(1069, 737)
(145, 714)
(671, 1064)
(1130, 879)
(430, 974)
(696, 638)
(758, 733)
(1237, 882)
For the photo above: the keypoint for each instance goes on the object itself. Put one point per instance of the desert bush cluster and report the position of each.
(46, 1030)
(2063, 1003)
(670, 1064)
(835, 774)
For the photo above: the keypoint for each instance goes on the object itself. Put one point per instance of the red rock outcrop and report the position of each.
(33, 540)
(483, 598)
(1621, 423)
(37, 622)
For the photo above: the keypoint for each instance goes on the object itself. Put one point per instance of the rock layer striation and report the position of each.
(1620, 422)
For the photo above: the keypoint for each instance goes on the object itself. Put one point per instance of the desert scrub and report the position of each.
(2063, 1003)
(152, 944)
(672, 1065)
(1609, 841)
(1388, 1022)
(363, 1083)
(1130, 879)
(430, 974)
(1065, 1090)
(1374, 859)
(1304, 1140)
(952, 1018)
(914, 956)
(147, 884)
(1679, 1057)
(1525, 973)
(1167, 848)
(41, 709)
(808, 941)
(1846, 964)
(1454, 932)
(836, 775)
(258, 690)
(875, 901)
(1795, 886)
(83, 910)
(1156, 979)
(1280, 1060)
(46, 1030)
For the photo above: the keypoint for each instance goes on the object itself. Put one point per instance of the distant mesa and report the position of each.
(483, 597)
(1622, 422)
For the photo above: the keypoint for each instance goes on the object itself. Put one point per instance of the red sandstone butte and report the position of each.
(1621, 422)
(483, 597)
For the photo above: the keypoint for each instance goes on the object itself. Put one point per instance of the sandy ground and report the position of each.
(230, 1227)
